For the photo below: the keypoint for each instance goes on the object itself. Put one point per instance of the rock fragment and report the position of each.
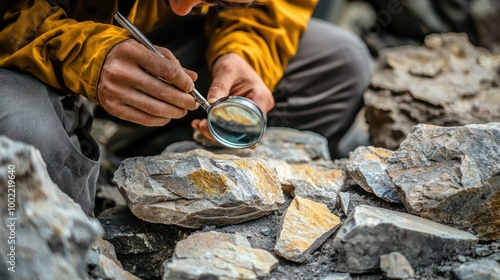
(370, 232)
(304, 227)
(316, 183)
(396, 266)
(278, 143)
(45, 231)
(214, 255)
(199, 188)
(367, 167)
(451, 175)
(482, 269)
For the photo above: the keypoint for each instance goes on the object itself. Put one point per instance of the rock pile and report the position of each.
(458, 162)
(446, 82)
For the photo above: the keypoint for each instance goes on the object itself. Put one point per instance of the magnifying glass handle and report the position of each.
(138, 36)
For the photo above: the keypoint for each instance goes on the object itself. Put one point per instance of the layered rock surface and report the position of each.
(371, 232)
(47, 236)
(215, 255)
(452, 176)
(199, 188)
(304, 227)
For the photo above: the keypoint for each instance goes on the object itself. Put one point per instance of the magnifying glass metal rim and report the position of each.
(244, 103)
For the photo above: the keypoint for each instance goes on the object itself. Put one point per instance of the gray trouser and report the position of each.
(58, 126)
(321, 91)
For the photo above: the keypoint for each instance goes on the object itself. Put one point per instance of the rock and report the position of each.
(446, 82)
(304, 227)
(370, 232)
(102, 263)
(396, 266)
(141, 247)
(452, 176)
(367, 167)
(338, 276)
(482, 269)
(344, 202)
(198, 188)
(309, 181)
(214, 255)
(278, 143)
(45, 233)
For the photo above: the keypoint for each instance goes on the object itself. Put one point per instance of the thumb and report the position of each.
(221, 86)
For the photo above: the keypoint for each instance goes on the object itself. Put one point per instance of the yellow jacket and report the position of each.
(64, 45)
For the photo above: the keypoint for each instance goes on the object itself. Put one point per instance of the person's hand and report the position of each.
(129, 87)
(232, 75)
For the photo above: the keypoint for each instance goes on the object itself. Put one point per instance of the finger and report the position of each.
(131, 114)
(165, 92)
(191, 74)
(220, 87)
(152, 106)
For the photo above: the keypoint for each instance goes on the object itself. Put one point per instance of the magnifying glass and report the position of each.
(234, 121)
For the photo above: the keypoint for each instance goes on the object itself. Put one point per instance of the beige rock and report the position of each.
(304, 227)
(218, 256)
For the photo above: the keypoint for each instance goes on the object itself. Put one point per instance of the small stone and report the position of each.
(483, 252)
(266, 231)
(338, 276)
(304, 227)
(344, 202)
(462, 259)
(396, 266)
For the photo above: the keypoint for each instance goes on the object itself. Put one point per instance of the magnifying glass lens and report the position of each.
(235, 125)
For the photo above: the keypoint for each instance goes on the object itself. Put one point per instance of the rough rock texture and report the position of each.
(483, 269)
(317, 183)
(367, 167)
(103, 264)
(338, 276)
(278, 143)
(198, 188)
(304, 227)
(370, 232)
(447, 82)
(215, 255)
(452, 175)
(45, 233)
(140, 246)
(396, 266)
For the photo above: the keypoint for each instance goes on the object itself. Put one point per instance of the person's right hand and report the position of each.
(129, 87)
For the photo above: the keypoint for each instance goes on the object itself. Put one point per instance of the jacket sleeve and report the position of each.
(63, 53)
(266, 34)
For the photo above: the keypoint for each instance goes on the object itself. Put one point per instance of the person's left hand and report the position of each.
(232, 75)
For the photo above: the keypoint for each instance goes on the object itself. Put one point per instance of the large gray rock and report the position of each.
(46, 235)
(199, 188)
(452, 175)
(371, 232)
(367, 167)
(446, 82)
(214, 255)
(278, 143)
